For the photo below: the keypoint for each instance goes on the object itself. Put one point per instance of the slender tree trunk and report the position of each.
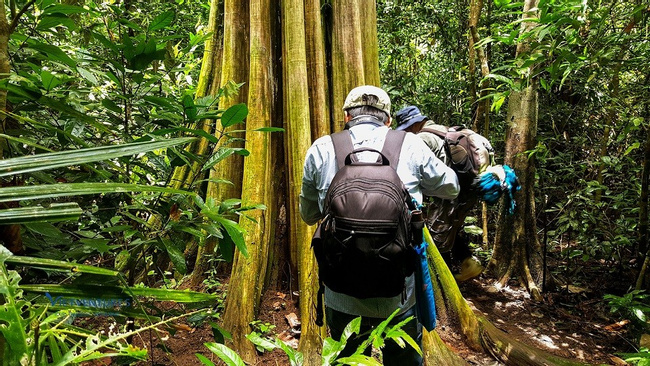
(643, 202)
(208, 84)
(5, 67)
(298, 140)
(482, 113)
(517, 248)
(248, 273)
(474, 14)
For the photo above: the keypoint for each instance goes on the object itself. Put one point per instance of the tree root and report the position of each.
(436, 352)
(512, 352)
(479, 333)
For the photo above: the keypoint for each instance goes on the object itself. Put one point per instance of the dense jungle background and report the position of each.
(152, 156)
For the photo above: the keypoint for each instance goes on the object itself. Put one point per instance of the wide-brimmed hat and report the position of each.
(358, 97)
(408, 116)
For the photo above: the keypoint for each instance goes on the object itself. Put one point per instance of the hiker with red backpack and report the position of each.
(472, 158)
(361, 185)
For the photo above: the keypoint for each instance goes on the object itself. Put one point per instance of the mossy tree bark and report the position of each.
(248, 272)
(348, 68)
(233, 68)
(317, 70)
(517, 248)
(369, 41)
(297, 125)
(481, 121)
(208, 84)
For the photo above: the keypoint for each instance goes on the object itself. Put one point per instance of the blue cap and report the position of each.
(408, 116)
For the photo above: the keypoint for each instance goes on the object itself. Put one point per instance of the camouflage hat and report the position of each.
(359, 97)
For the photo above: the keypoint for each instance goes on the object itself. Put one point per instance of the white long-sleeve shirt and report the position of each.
(418, 168)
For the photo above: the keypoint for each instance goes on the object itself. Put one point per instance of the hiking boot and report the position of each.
(470, 268)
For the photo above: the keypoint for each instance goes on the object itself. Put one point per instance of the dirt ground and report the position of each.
(572, 322)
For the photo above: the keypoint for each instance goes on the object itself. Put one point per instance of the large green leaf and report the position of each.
(230, 357)
(64, 9)
(221, 154)
(53, 53)
(235, 232)
(161, 21)
(117, 292)
(175, 255)
(77, 189)
(234, 115)
(37, 162)
(53, 264)
(53, 213)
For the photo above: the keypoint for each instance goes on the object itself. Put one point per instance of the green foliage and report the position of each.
(423, 53)
(37, 332)
(641, 358)
(331, 348)
(634, 306)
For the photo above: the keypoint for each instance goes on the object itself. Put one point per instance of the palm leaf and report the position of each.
(45, 161)
(53, 213)
(21, 193)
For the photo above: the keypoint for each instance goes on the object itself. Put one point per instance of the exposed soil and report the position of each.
(572, 322)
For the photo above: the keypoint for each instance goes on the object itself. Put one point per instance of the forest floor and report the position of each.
(573, 322)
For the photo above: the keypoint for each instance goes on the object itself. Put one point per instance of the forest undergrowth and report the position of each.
(574, 321)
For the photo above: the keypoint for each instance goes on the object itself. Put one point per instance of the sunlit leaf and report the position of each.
(52, 213)
(161, 21)
(32, 163)
(261, 342)
(230, 357)
(20, 193)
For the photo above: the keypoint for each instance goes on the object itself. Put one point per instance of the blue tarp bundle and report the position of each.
(496, 181)
(425, 302)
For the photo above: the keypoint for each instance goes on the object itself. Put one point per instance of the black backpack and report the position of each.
(363, 244)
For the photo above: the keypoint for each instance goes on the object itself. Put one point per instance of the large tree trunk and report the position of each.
(298, 140)
(248, 273)
(517, 248)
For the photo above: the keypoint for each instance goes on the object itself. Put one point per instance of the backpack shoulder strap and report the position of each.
(438, 133)
(393, 146)
(342, 142)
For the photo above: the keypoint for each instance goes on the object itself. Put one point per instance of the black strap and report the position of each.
(342, 142)
(343, 146)
(393, 146)
(319, 304)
